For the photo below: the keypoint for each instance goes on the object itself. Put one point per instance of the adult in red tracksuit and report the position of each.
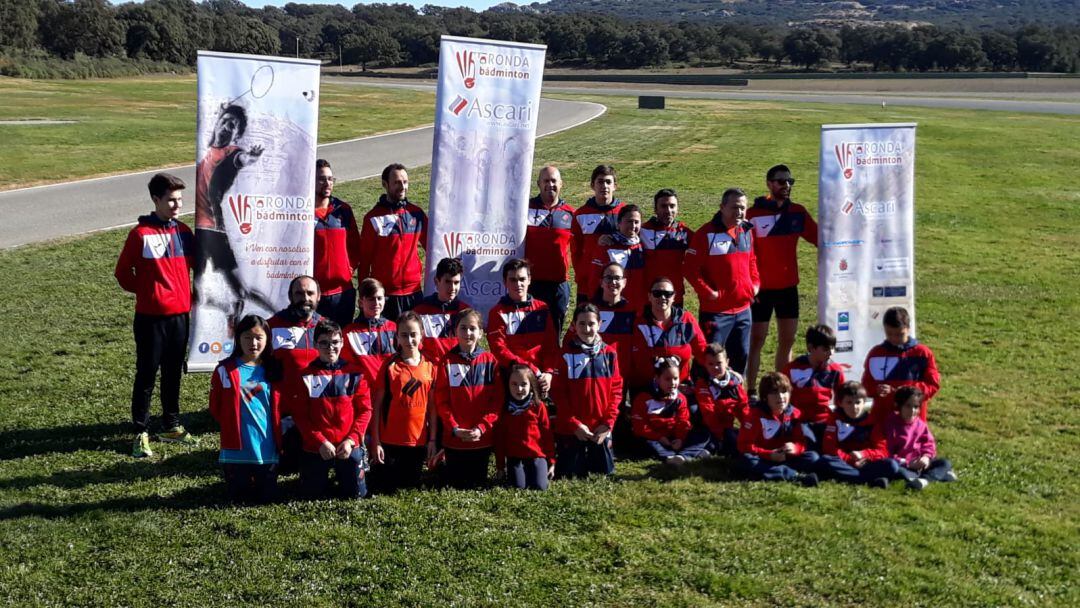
(616, 316)
(854, 449)
(625, 249)
(547, 244)
(597, 217)
(899, 361)
(467, 394)
(155, 265)
(662, 330)
(337, 249)
(771, 439)
(778, 226)
(722, 268)
(524, 441)
(722, 400)
(390, 238)
(437, 310)
(666, 240)
(520, 327)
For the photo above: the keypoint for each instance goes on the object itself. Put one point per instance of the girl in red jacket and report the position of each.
(244, 402)
(524, 440)
(662, 418)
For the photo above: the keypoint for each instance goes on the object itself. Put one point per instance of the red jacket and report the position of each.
(435, 318)
(293, 339)
(665, 248)
(155, 266)
(680, 336)
(337, 247)
(587, 388)
(467, 394)
(912, 364)
(390, 238)
(617, 328)
(722, 401)
(524, 432)
(631, 256)
(762, 431)
(722, 259)
(654, 416)
(591, 221)
(547, 240)
(332, 403)
(522, 332)
(368, 344)
(813, 390)
(777, 228)
(225, 405)
(845, 435)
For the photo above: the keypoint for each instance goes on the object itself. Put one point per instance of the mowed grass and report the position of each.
(998, 251)
(128, 124)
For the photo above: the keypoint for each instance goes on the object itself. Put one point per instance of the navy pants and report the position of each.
(833, 467)
(339, 307)
(733, 331)
(814, 433)
(556, 296)
(727, 445)
(527, 473)
(402, 467)
(763, 469)
(696, 445)
(349, 472)
(581, 458)
(160, 342)
(255, 483)
(467, 468)
(938, 469)
(291, 448)
(395, 305)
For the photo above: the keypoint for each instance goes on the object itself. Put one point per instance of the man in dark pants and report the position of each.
(547, 245)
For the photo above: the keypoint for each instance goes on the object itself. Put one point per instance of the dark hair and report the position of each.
(897, 317)
(449, 266)
(390, 169)
(731, 193)
(907, 393)
(369, 287)
(820, 335)
(241, 117)
(164, 183)
(324, 327)
(534, 384)
(465, 313)
(715, 349)
(664, 362)
(664, 193)
(514, 265)
(271, 366)
(627, 210)
(409, 317)
(585, 308)
(851, 388)
(660, 279)
(773, 382)
(297, 279)
(601, 171)
(322, 162)
(771, 173)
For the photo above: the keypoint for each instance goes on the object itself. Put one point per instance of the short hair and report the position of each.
(390, 169)
(897, 317)
(164, 183)
(369, 287)
(658, 280)
(514, 265)
(627, 210)
(715, 349)
(820, 335)
(604, 270)
(773, 383)
(851, 388)
(449, 266)
(326, 327)
(905, 394)
(601, 171)
(467, 313)
(241, 117)
(299, 278)
(409, 317)
(771, 173)
(585, 308)
(663, 193)
(731, 193)
(322, 162)
(666, 361)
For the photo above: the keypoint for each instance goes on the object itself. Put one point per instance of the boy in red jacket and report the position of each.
(771, 439)
(666, 240)
(722, 400)
(897, 362)
(815, 379)
(437, 310)
(155, 265)
(854, 449)
(521, 329)
(597, 217)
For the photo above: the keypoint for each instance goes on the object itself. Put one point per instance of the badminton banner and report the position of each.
(254, 191)
(866, 210)
(487, 104)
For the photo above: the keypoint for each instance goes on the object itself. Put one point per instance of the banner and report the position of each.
(254, 197)
(487, 103)
(866, 237)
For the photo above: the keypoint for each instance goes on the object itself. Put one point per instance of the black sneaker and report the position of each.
(880, 482)
(809, 480)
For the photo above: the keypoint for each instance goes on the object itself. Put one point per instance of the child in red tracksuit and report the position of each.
(853, 448)
(597, 217)
(587, 389)
(897, 362)
(523, 434)
(437, 310)
(244, 401)
(771, 439)
(661, 416)
(625, 249)
(722, 400)
(467, 395)
(370, 339)
(332, 411)
(814, 381)
(521, 329)
(911, 444)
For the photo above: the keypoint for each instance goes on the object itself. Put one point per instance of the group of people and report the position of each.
(406, 384)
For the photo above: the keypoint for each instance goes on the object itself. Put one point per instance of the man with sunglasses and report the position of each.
(778, 225)
(337, 249)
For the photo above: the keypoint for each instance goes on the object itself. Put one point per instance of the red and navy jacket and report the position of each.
(630, 254)
(763, 431)
(547, 240)
(680, 336)
(813, 390)
(586, 387)
(467, 394)
(332, 403)
(292, 339)
(155, 266)
(722, 259)
(368, 344)
(912, 364)
(844, 435)
(591, 221)
(337, 247)
(722, 401)
(777, 228)
(225, 404)
(524, 431)
(435, 318)
(616, 328)
(522, 333)
(389, 240)
(654, 416)
(665, 248)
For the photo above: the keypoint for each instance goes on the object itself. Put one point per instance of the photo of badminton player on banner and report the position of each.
(254, 192)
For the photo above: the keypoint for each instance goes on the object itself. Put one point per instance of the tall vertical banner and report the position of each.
(487, 104)
(256, 137)
(866, 238)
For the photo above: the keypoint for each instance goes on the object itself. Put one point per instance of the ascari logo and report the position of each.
(869, 209)
(241, 210)
(851, 154)
(466, 63)
(458, 105)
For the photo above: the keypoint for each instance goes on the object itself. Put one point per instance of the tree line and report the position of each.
(400, 35)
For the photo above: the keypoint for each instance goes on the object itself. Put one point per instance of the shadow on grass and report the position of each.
(207, 496)
(188, 464)
(713, 468)
(111, 436)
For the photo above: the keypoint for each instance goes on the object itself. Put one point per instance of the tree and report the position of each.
(19, 23)
(370, 44)
(1000, 50)
(89, 27)
(810, 47)
(1035, 49)
(166, 30)
(565, 38)
(236, 34)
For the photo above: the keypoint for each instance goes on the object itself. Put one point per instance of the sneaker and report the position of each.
(880, 482)
(178, 434)
(809, 480)
(141, 449)
(918, 483)
(676, 460)
(950, 476)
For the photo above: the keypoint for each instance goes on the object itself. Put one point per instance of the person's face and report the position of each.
(733, 211)
(519, 385)
(587, 327)
(820, 354)
(468, 333)
(550, 183)
(517, 284)
(667, 209)
(780, 185)
(324, 182)
(603, 188)
(614, 280)
(447, 287)
(409, 336)
(661, 297)
(852, 406)
(630, 224)
(373, 305)
(329, 347)
(226, 129)
(716, 365)
(778, 401)
(252, 342)
(397, 186)
(897, 336)
(167, 207)
(909, 410)
(668, 380)
(304, 296)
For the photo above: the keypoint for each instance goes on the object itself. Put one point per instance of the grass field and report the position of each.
(143, 123)
(998, 257)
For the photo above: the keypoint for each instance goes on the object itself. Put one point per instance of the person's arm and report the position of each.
(682, 420)
(749, 438)
(368, 239)
(491, 396)
(547, 438)
(800, 439)
(497, 341)
(353, 245)
(577, 245)
(361, 412)
(878, 449)
(927, 445)
(217, 394)
(423, 231)
(640, 423)
(755, 278)
(830, 444)
(693, 268)
(125, 264)
(707, 406)
(810, 229)
(930, 382)
(441, 397)
(615, 392)
(697, 343)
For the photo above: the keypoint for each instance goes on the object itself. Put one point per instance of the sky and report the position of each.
(477, 5)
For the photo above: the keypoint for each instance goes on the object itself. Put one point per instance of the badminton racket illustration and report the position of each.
(261, 82)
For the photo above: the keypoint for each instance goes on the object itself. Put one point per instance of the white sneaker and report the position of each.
(676, 460)
(950, 476)
(918, 483)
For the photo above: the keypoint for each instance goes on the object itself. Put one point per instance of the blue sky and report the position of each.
(477, 5)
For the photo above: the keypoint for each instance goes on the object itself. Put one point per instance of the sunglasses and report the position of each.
(611, 278)
(661, 293)
(789, 181)
(329, 343)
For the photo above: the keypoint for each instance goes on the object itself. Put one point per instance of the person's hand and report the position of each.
(677, 445)
(432, 449)
(344, 449)
(551, 471)
(777, 455)
(327, 450)
(583, 433)
(472, 435)
(463, 434)
(601, 433)
(543, 381)
(921, 463)
(884, 390)
(860, 463)
(713, 295)
(788, 448)
(377, 454)
(664, 441)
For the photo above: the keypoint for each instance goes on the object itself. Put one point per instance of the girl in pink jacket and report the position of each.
(911, 443)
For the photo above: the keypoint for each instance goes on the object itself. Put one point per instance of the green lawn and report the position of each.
(128, 124)
(998, 256)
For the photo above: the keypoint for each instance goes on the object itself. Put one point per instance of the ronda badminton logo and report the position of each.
(472, 64)
(852, 154)
(246, 208)
(466, 63)
(241, 210)
(479, 243)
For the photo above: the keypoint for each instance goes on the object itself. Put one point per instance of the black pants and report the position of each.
(160, 341)
(467, 468)
(579, 458)
(395, 305)
(292, 448)
(339, 307)
(557, 297)
(250, 482)
(402, 468)
(527, 473)
(349, 472)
